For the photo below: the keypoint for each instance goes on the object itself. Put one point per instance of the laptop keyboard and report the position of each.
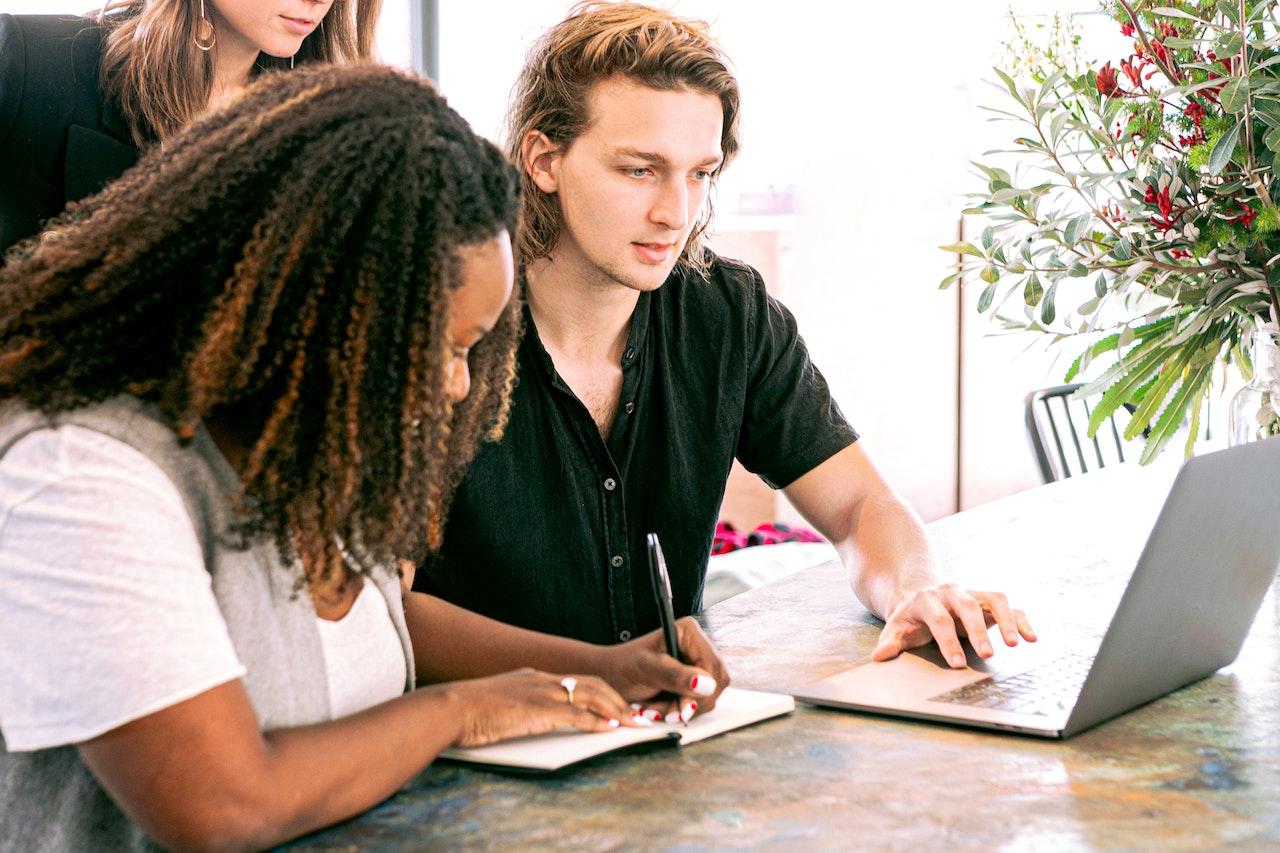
(1050, 687)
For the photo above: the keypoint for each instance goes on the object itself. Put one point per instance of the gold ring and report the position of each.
(568, 683)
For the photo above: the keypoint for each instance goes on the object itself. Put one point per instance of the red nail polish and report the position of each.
(693, 705)
(693, 685)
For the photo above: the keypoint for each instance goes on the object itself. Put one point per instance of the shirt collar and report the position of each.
(639, 329)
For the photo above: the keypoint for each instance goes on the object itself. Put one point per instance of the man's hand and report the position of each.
(945, 613)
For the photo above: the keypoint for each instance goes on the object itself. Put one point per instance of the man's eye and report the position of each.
(637, 171)
(702, 175)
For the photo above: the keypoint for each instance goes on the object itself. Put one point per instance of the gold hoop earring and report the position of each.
(205, 37)
(290, 63)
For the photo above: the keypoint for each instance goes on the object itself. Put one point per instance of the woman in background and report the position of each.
(81, 97)
(236, 387)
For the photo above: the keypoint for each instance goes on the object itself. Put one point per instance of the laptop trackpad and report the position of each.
(914, 676)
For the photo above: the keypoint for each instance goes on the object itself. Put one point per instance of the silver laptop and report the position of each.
(1197, 587)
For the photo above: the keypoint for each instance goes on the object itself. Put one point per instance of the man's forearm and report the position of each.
(450, 643)
(888, 553)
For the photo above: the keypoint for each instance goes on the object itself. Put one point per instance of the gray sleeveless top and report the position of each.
(48, 799)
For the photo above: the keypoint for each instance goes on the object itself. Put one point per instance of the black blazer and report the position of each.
(60, 140)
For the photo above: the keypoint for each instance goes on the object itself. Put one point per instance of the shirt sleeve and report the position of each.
(791, 423)
(107, 611)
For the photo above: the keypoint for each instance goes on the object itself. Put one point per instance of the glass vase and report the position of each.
(1255, 409)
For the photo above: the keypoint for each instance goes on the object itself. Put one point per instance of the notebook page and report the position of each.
(554, 750)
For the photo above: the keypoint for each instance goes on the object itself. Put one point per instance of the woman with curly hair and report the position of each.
(80, 97)
(239, 386)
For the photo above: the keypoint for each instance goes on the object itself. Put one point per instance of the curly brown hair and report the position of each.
(289, 264)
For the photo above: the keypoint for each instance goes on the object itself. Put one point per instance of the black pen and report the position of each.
(662, 595)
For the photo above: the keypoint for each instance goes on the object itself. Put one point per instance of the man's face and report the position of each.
(633, 185)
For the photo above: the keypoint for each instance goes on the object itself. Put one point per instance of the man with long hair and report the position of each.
(649, 363)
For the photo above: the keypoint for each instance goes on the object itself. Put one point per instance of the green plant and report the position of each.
(1143, 200)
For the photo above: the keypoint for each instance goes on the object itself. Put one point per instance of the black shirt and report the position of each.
(61, 139)
(547, 529)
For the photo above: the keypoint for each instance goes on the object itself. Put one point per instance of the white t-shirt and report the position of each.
(107, 612)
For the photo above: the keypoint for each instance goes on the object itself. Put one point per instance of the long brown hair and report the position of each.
(152, 69)
(598, 41)
(287, 264)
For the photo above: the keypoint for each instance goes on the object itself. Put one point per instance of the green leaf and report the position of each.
(988, 294)
(1032, 291)
(1269, 110)
(1229, 44)
(1006, 195)
(1107, 344)
(1235, 94)
(1008, 82)
(1047, 311)
(993, 174)
(1222, 152)
(1078, 270)
(1122, 250)
(988, 237)
(1100, 286)
(1058, 123)
(1272, 139)
(989, 274)
(1194, 426)
(1232, 14)
(1071, 234)
(948, 281)
(1170, 372)
(1172, 417)
(1171, 12)
(1134, 375)
(962, 249)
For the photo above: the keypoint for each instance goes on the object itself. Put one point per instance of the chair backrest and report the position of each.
(1058, 427)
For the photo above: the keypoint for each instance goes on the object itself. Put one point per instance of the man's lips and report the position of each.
(654, 253)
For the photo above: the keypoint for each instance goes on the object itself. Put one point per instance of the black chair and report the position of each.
(1058, 428)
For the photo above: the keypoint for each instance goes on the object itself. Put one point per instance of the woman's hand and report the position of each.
(528, 702)
(643, 672)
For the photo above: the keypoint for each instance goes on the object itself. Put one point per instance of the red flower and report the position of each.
(1126, 30)
(1245, 217)
(1195, 112)
(1161, 52)
(1107, 84)
(1133, 72)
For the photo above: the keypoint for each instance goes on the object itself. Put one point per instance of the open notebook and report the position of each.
(557, 750)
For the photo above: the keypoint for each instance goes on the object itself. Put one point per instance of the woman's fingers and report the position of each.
(593, 697)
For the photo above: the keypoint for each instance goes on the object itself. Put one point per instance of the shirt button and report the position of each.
(630, 407)
(616, 561)
(624, 636)
(610, 484)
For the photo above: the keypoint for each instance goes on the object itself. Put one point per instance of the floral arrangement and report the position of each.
(1141, 216)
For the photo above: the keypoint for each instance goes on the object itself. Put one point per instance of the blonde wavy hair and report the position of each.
(598, 41)
(152, 69)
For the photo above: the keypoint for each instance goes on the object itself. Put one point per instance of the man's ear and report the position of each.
(540, 158)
